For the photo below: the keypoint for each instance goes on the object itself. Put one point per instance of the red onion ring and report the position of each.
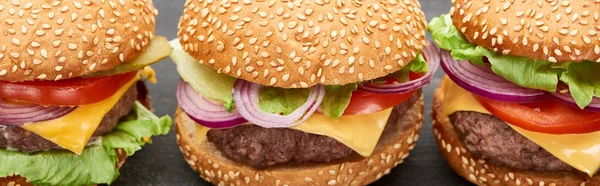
(246, 98)
(12, 114)
(481, 80)
(431, 54)
(205, 112)
(567, 99)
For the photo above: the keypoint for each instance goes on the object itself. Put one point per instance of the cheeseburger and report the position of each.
(73, 104)
(520, 102)
(300, 93)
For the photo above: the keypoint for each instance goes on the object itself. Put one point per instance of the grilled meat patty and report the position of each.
(491, 139)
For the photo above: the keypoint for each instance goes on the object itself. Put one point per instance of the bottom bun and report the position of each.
(17, 180)
(204, 157)
(479, 172)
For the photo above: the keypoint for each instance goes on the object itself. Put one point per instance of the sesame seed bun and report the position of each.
(301, 44)
(18, 180)
(479, 172)
(213, 167)
(556, 31)
(63, 39)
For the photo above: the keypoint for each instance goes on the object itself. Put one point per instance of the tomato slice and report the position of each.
(548, 116)
(70, 92)
(363, 102)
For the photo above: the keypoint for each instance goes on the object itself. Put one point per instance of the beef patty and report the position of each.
(18, 138)
(261, 147)
(491, 139)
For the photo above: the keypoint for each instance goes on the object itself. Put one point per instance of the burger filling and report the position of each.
(261, 147)
(491, 139)
(15, 137)
(502, 144)
(519, 112)
(60, 130)
(263, 126)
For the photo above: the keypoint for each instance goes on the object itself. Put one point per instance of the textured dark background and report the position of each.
(161, 163)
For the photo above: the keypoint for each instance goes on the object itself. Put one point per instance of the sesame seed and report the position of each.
(331, 182)
(72, 46)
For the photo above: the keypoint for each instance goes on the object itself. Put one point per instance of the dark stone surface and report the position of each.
(161, 163)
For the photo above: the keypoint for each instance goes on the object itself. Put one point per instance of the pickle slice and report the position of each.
(159, 49)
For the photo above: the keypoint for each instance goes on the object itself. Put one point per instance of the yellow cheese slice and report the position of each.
(359, 132)
(458, 99)
(201, 132)
(581, 151)
(73, 130)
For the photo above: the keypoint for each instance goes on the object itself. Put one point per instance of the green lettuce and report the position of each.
(418, 65)
(337, 99)
(285, 101)
(281, 100)
(96, 165)
(582, 78)
(525, 72)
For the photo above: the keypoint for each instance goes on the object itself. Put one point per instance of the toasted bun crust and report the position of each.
(556, 31)
(18, 180)
(479, 172)
(204, 157)
(59, 40)
(300, 44)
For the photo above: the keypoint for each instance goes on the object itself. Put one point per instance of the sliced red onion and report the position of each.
(246, 98)
(567, 99)
(431, 54)
(481, 80)
(206, 112)
(12, 113)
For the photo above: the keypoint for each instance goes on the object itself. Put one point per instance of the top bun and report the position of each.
(556, 31)
(53, 40)
(299, 44)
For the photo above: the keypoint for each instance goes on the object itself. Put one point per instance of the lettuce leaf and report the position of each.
(582, 78)
(418, 65)
(337, 99)
(135, 130)
(280, 100)
(526, 72)
(96, 165)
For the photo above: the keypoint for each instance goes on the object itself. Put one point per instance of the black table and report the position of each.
(161, 163)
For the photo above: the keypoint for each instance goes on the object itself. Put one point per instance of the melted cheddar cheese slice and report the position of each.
(581, 151)
(72, 131)
(359, 132)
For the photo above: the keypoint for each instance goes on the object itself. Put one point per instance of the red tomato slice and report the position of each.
(70, 92)
(546, 116)
(365, 102)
